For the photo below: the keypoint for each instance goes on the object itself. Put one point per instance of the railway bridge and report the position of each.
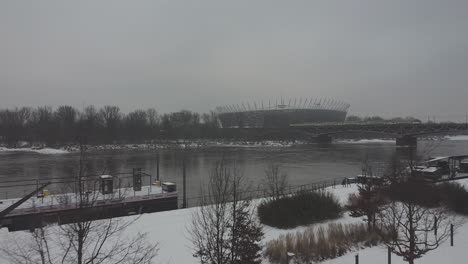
(406, 134)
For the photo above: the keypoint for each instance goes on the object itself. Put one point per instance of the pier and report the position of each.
(101, 197)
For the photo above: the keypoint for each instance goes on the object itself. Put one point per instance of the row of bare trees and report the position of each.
(105, 125)
(379, 119)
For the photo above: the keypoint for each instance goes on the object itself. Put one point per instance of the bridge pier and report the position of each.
(323, 139)
(407, 141)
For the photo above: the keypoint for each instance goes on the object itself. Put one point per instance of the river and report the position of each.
(303, 163)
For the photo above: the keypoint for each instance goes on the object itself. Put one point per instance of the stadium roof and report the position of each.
(292, 103)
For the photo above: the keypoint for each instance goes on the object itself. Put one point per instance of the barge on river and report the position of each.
(92, 204)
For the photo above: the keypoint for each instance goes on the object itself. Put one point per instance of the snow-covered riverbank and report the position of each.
(200, 144)
(170, 230)
(39, 151)
(161, 145)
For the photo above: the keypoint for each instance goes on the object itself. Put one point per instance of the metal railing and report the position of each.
(260, 193)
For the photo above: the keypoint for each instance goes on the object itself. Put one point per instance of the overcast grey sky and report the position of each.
(393, 57)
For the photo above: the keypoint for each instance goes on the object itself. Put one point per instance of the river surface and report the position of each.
(303, 163)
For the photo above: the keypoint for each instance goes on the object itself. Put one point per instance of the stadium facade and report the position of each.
(282, 113)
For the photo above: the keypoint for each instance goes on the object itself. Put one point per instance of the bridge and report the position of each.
(406, 134)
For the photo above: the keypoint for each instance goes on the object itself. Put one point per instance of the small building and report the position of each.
(169, 187)
(107, 184)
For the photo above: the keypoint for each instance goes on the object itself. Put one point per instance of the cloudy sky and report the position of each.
(391, 58)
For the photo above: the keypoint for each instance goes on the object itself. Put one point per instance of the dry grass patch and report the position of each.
(318, 244)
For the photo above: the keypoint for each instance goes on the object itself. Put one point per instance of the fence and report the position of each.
(61, 185)
(260, 193)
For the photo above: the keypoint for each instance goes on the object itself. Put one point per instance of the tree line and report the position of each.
(109, 125)
(105, 125)
(379, 119)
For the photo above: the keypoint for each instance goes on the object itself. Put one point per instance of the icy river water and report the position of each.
(303, 163)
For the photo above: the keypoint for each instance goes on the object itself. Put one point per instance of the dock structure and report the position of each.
(98, 200)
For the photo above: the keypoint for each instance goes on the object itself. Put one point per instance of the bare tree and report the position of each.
(100, 241)
(90, 123)
(153, 117)
(135, 124)
(415, 229)
(111, 117)
(43, 121)
(275, 181)
(224, 229)
(14, 123)
(103, 242)
(415, 219)
(84, 241)
(31, 248)
(66, 116)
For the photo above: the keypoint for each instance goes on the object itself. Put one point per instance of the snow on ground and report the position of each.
(444, 254)
(457, 138)
(39, 151)
(170, 230)
(384, 141)
(180, 144)
(367, 141)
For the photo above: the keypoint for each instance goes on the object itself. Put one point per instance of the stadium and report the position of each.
(282, 113)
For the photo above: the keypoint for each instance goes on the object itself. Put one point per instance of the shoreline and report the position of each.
(201, 144)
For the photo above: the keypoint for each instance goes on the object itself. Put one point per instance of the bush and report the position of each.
(302, 208)
(455, 197)
(415, 190)
(318, 244)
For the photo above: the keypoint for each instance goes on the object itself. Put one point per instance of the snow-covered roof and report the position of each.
(458, 157)
(430, 169)
(368, 176)
(436, 159)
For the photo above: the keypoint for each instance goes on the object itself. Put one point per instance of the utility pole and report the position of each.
(184, 182)
(157, 166)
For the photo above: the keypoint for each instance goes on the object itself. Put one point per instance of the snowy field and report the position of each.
(170, 230)
(175, 246)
